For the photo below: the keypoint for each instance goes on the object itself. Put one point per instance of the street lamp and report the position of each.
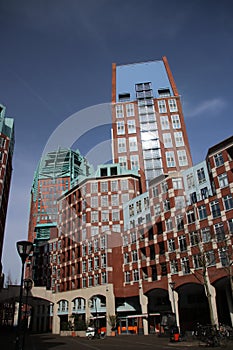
(172, 286)
(24, 248)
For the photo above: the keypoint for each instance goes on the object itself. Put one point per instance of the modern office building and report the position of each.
(149, 131)
(149, 237)
(54, 174)
(6, 154)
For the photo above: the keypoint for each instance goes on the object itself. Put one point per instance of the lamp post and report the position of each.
(24, 248)
(27, 283)
(172, 286)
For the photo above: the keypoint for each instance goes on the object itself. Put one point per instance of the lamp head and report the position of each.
(24, 248)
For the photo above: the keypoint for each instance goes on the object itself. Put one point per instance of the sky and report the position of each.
(56, 59)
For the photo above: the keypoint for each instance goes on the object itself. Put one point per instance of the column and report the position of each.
(144, 302)
(56, 320)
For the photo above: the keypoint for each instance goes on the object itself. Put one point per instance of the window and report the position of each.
(170, 159)
(124, 185)
(131, 126)
(204, 193)
(190, 181)
(120, 128)
(84, 249)
(139, 206)
(127, 277)
(97, 277)
(123, 162)
(116, 228)
(134, 255)
(94, 187)
(84, 282)
(157, 209)
(103, 260)
(228, 202)
(180, 222)
(177, 184)
(131, 210)
(164, 122)
(185, 265)
(94, 202)
(84, 266)
(135, 275)
(179, 202)
(133, 146)
(194, 238)
(215, 209)
(96, 245)
(94, 230)
(89, 247)
(182, 158)
(104, 201)
(115, 215)
(114, 186)
(155, 191)
(218, 159)
(163, 267)
(121, 145)
(162, 106)
(167, 140)
(126, 258)
(197, 261)
(119, 111)
(175, 121)
(223, 256)
(130, 110)
(182, 243)
(96, 262)
(104, 277)
(172, 105)
(90, 264)
(104, 186)
(202, 212)
(125, 241)
(166, 205)
(174, 266)
(134, 162)
(219, 231)
(191, 216)
(179, 141)
(94, 216)
(230, 225)
(169, 225)
(146, 203)
(193, 197)
(133, 237)
(171, 245)
(206, 235)
(90, 281)
(210, 258)
(223, 180)
(201, 175)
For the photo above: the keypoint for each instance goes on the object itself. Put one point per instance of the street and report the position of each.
(49, 341)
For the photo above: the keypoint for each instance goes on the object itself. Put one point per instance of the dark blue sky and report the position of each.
(56, 59)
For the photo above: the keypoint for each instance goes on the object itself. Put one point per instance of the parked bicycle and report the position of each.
(212, 336)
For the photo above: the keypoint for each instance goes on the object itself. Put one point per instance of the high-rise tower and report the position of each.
(6, 153)
(149, 131)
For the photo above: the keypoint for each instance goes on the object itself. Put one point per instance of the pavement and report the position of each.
(47, 341)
